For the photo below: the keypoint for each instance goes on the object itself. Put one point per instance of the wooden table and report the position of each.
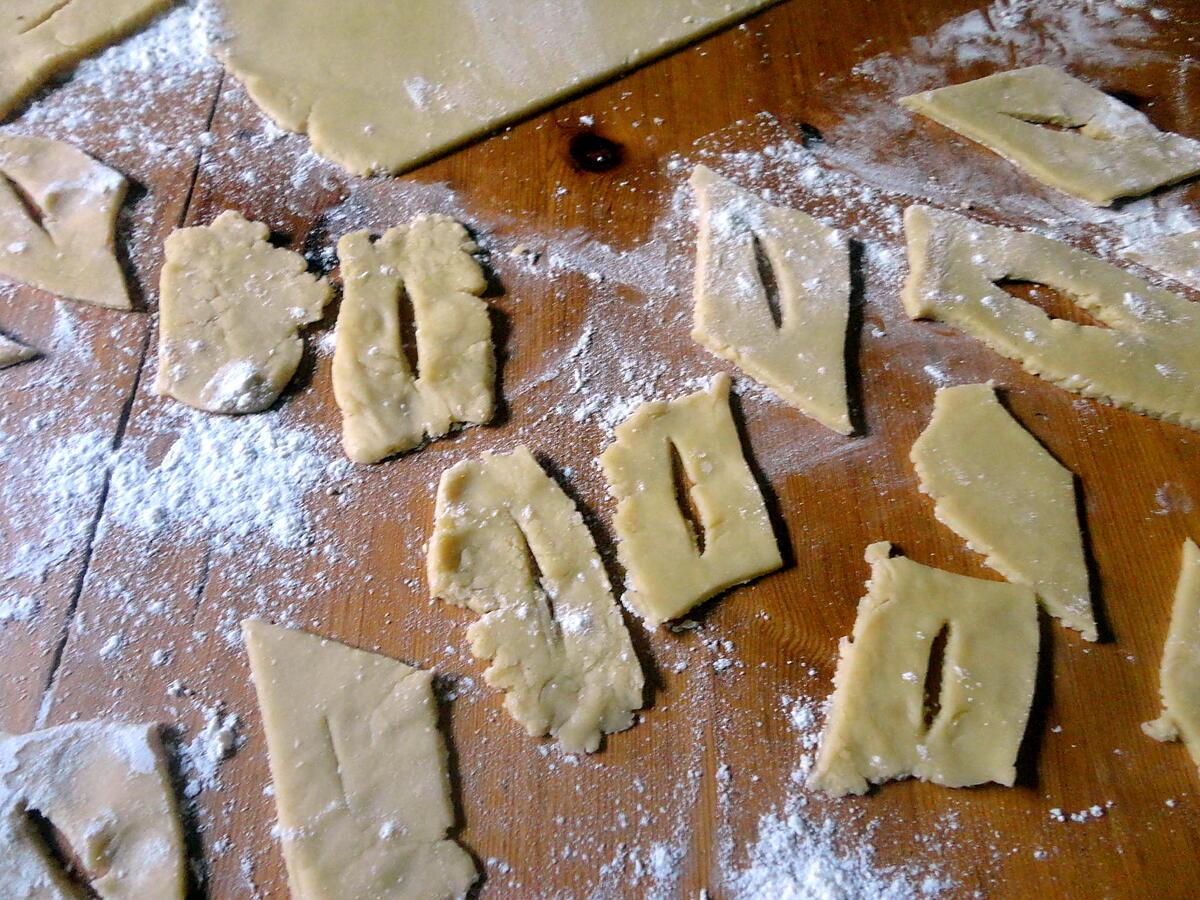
(716, 748)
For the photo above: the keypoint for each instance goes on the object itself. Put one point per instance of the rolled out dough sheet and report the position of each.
(381, 87)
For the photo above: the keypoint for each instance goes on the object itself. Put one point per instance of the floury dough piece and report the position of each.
(877, 728)
(381, 87)
(386, 407)
(1175, 255)
(509, 544)
(1179, 675)
(40, 39)
(1147, 358)
(994, 485)
(106, 788)
(13, 352)
(360, 771)
(58, 220)
(667, 571)
(1098, 148)
(230, 311)
(803, 358)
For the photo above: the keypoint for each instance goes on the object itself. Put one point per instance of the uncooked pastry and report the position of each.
(1095, 147)
(509, 544)
(1174, 255)
(1147, 358)
(107, 790)
(359, 768)
(1000, 490)
(666, 572)
(385, 409)
(58, 220)
(877, 729)
(230, 311)
(13, 352)
(1179, 675)
(40, 39)
(381, 87)
(803, 359)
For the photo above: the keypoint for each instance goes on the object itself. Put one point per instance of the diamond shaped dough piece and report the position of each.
(1115, 151)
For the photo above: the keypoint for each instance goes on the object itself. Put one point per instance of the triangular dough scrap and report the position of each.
(1147, 358)
(1000, 490)
(106, 788)
(40, 39)
(385, 409)
(360, 770)
(876, 730)
(667, 575)
(510, 544)
(803, 359)
(1175, 255)
(1115, 151)
(13, 352)
(58, 220)
(230, 311)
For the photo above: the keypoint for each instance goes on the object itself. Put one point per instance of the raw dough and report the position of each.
(40, 39)
(804, 358)
(13, 352)
(360, 770)
(666, 573)
(106, 788)
(58, 220)
(1147, 358)
(230, 311)
(876, 729)
(1000, 490)
(508, 543)
(1179, 676)
(381, 87)
(386, 410)
(1174, 255)
(1116, 151)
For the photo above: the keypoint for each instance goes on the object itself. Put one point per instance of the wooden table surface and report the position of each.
(672, 805)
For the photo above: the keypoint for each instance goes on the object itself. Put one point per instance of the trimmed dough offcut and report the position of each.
(1147, 358)
(13, 352)
(803, 358)
(509, 543)
(387, 408)
(1099, 149)
(359, 768)
(230, 311)
(877, 728)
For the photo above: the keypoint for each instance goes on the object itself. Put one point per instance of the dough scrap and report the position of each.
(995, 486)
(230, 311)
(876, 729)
(1100, 149)
(1179, 675)
(386, 410)
(40, 39)
(1174, 255)
(13, 352)
(106, 788)
(803, 359)
(1146, 359)
(509, 543)
(667, 575)
(360, 770)
(381, 88)
(58, 220)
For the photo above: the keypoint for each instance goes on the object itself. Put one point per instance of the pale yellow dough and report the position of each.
(1174, 255)
(40, 39)
(1115, 151)
(13, 352)
(1147, 358)
(230, 311)
(666, 574)
(106, 788)
(803, 359)
(359, 770)
(385, 408)
(1000, 490)
(58, 220)
(509, 543)
(381, 87)
(876, 729)
(1179, 675)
